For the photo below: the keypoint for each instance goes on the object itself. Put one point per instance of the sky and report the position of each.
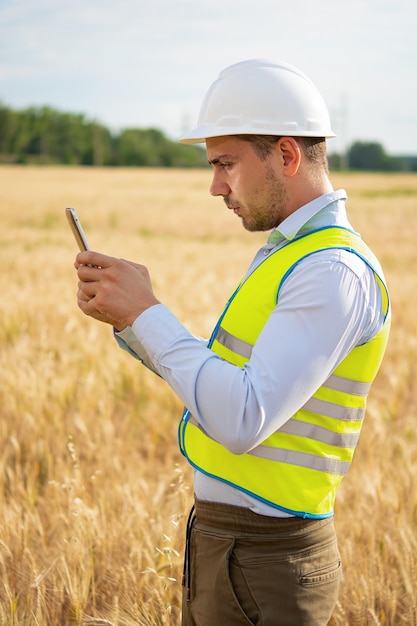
(149, 63)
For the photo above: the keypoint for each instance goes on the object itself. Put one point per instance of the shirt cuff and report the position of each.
(155, 330)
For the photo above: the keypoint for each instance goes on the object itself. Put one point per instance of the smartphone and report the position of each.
(77, 229)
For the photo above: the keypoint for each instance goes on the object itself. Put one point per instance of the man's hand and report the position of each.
(112, 290)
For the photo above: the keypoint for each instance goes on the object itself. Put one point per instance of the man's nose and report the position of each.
(218, 186)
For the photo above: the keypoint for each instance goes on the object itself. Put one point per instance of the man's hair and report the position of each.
(313, 148)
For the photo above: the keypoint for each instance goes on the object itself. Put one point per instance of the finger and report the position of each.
(95, 259)
(82, 296)
(89, 273)
(83, 302)
(89, 289)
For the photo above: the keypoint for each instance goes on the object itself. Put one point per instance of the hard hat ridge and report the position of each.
(261, 97)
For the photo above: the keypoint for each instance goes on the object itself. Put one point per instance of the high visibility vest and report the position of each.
(299, 468)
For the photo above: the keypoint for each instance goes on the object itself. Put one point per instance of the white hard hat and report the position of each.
(258, 97)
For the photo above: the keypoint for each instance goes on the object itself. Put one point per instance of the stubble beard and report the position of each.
(271, 209)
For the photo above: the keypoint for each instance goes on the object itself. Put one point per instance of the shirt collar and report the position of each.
(294, 223)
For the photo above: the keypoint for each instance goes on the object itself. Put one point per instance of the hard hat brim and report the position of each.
(201, 133)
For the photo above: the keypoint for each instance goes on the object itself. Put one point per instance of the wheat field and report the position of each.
(94, 492)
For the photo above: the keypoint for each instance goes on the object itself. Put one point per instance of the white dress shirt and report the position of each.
(329, 304)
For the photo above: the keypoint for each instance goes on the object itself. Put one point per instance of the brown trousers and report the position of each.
(244, 569)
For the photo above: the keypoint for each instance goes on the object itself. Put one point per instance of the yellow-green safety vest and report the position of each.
(299, 468)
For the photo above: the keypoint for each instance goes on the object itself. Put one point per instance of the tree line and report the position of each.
(371, 156)
(43, 135)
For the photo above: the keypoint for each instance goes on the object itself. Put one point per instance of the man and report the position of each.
(276, 398)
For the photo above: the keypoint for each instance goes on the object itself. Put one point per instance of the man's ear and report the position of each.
(290, 155)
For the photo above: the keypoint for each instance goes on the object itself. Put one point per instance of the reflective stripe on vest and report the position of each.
(299, 467)
(305, 430)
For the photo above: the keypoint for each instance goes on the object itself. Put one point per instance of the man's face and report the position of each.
(249, 185)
